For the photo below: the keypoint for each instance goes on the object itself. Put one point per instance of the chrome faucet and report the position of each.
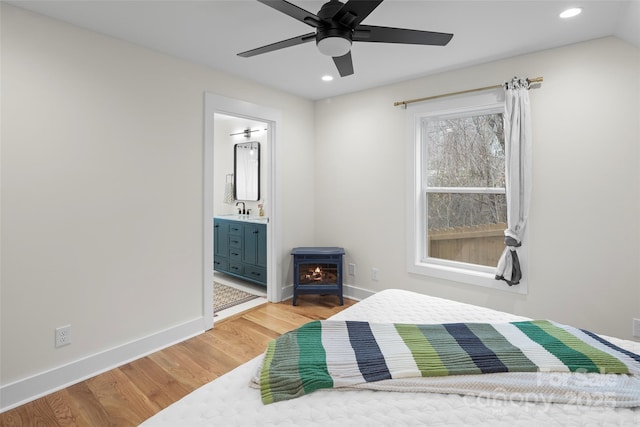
(242, 211)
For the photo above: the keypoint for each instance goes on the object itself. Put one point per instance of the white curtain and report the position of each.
(517, 128)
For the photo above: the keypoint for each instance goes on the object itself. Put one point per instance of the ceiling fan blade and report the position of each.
(293, 11)
(354, 12)
(344, 64)
(372, 33)
(279, 45)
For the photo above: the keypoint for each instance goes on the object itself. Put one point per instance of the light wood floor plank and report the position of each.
(223, 363)
(85, 406)
(157, 384)
(184, 370)
(61, 403)
(125, 404)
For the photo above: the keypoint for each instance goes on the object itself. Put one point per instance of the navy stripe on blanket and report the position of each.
(368, 355)
(482, 356)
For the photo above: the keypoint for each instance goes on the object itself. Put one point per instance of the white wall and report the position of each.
(585, 217)
(102, 190)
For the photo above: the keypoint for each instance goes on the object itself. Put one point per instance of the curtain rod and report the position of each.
(410, 101)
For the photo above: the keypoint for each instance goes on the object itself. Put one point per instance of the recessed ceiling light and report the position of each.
(570, 13)
(327, 78)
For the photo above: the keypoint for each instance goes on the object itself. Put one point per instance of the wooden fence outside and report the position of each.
(481, 244)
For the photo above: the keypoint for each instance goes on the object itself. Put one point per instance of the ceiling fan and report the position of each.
(338, 24)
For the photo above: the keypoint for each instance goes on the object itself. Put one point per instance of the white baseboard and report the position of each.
(356, 293)
(39, 385)
(287, 292)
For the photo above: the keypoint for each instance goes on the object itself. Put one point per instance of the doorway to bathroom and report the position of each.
(240, 179)
(229, 122)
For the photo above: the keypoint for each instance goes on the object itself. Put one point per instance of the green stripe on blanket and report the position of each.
(563, 346)
(574, 352)
(294, 364)
(333, 354)
(423, 352)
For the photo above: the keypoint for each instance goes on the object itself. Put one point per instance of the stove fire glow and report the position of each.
(318, 274)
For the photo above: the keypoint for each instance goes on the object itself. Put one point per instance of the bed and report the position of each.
(488, 399)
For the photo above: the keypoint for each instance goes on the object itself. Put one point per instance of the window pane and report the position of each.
(465, 151)
(466, 227)
(448, 210)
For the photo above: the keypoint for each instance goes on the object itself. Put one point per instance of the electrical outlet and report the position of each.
(375, 274)
(636, 328)
(352, 269)
(63, 335)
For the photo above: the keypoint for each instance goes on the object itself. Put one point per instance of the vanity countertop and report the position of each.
(245, 218)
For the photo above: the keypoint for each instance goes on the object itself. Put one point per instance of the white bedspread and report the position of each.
(229, 401)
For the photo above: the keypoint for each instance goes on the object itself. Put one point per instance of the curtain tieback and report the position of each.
(510, 263)
(512, 242)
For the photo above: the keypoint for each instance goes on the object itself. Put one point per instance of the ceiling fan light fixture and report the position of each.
(338, 24)
(334, 46)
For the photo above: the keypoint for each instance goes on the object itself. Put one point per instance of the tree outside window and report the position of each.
(464, 184)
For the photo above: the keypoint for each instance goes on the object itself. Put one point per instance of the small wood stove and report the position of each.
(317, 270)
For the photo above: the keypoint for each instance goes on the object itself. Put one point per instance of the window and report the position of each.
(457, 208)
(463, 164)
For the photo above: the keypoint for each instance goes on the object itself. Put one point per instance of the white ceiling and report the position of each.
(212, 32)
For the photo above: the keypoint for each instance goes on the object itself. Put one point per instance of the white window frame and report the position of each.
(485, 102)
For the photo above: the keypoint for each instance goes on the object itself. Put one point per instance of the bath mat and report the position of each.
(225, 297)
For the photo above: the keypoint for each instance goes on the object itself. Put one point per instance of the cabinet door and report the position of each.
(255, 244)
(262, 246)
(220, 238)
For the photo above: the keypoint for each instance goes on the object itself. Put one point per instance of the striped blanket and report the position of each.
(334, 354)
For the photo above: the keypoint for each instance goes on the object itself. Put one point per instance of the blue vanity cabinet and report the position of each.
(220, 245)
(240, 249)
(254, 252)
(255, 244)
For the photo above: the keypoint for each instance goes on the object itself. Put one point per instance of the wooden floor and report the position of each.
(130, 394)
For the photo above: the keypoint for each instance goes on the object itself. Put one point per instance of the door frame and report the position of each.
(214, 103)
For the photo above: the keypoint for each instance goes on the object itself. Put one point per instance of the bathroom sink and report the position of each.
(247, 218)
(259, 219)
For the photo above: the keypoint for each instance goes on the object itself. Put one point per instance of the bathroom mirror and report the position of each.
(246, 167)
